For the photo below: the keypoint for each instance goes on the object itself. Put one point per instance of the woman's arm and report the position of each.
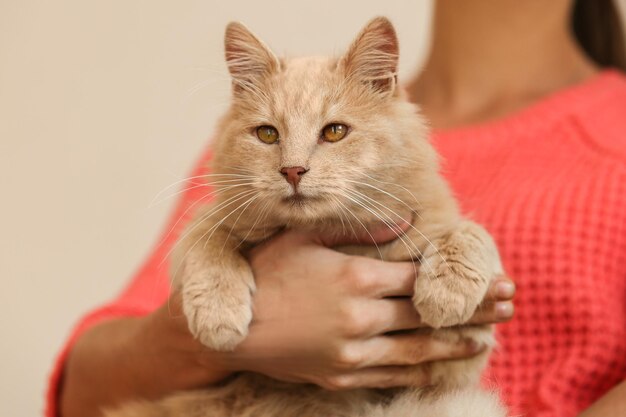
(319, 316)
(143, 357)
(613, 404)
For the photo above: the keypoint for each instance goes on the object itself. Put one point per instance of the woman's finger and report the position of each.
(501, 289)
(413, 349)
(392, 315)
(399, 281)
(493, 312)
(381, 377)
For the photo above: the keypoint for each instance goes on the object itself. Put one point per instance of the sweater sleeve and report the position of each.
(149, 287)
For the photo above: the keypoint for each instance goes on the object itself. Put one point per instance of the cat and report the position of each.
(328, 144)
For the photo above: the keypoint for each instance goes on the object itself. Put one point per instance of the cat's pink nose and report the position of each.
(293, 174)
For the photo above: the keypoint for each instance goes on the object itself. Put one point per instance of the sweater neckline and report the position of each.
(541, 112)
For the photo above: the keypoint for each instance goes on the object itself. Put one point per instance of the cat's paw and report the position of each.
(440, 307)
(443, 295)
(217, 317)
(454, 275)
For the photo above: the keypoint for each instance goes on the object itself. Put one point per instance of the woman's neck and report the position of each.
(491, 58)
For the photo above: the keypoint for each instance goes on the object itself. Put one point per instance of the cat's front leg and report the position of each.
(456, 269)
(216, 286)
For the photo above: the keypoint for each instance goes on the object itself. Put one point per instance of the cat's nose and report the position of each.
(293, 174)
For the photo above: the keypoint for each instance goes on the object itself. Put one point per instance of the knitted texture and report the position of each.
(549, 183)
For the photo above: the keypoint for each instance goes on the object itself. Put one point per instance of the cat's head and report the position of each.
(307, 137)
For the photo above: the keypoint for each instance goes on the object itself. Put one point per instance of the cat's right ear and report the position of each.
(248, 59)
(372, 59)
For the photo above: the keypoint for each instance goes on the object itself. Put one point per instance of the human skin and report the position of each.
(319, 316)
(492, 58)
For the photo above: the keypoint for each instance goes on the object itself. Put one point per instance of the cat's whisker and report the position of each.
(176, 223)
(182, 216)
(415, 199)
(391, 225)
(189, 179)
(411, 247)
(394, 165)
(261, 216)
(393, 196)
(230, 181)
(361, 196)
(203, 218)
(216, 185)
(339, 215)
(231, 228)
(410, 226)
(228, 174)
(242, 169)
(415, 212)
(363, 226)
(214, 228)
(342, 211)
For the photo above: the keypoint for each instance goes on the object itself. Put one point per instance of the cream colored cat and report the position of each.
(331, 145)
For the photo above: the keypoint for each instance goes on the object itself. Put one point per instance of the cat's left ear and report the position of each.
(372, 58)
(249, 60)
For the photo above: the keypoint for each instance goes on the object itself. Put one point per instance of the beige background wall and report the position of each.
(102, 105)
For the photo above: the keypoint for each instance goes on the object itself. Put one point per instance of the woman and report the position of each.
(533, 133)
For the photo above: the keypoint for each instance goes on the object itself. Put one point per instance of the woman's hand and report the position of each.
(321, 316)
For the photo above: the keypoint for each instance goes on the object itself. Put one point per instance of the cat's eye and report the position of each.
(334, 132)
(267, 134)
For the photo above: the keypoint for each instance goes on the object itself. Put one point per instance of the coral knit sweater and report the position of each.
(549, 183)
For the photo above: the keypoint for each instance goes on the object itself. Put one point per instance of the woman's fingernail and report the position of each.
(505, 289)
(504, 310)
(474, 347)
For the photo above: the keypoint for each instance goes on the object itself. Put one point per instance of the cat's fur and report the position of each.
(383, 169)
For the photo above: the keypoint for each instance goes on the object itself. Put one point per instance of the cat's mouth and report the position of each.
(300, 200)
(297, 199)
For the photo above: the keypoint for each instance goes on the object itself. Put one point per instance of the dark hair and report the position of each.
(598, 29)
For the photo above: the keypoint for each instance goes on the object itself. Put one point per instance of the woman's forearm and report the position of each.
(127, 359)
(613, 404)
